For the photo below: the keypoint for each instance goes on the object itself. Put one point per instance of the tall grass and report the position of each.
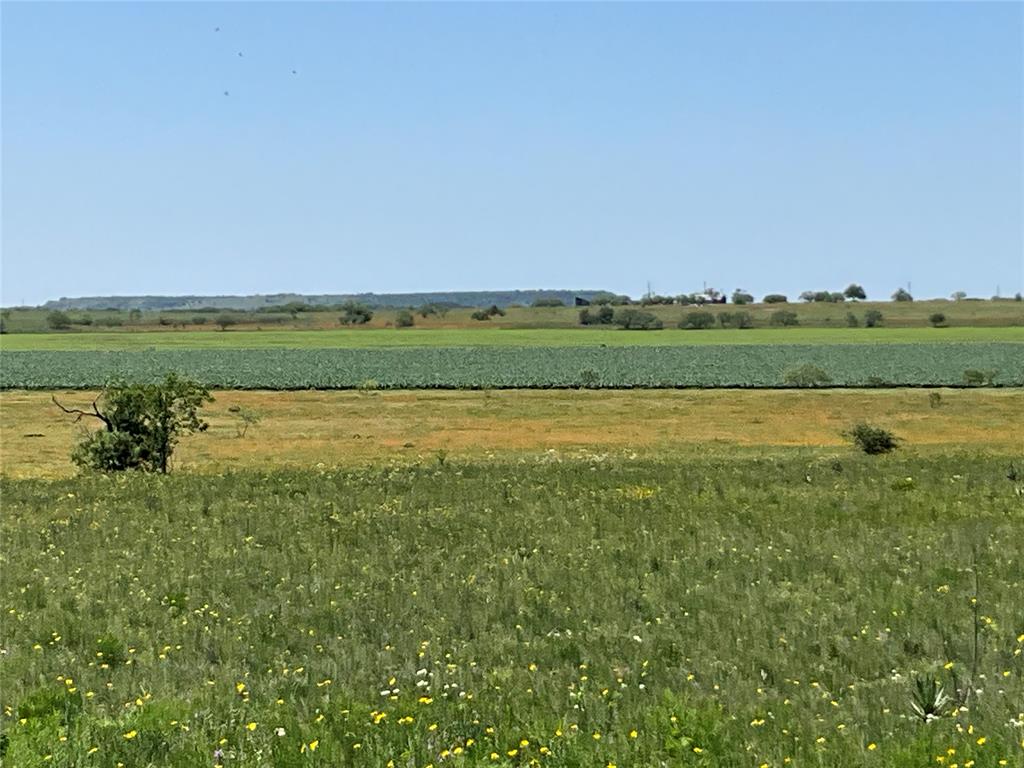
(736, 612)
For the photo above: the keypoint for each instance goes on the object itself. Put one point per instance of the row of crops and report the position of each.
(932, 364)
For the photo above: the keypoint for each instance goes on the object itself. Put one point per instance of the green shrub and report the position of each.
(775, 298)
(224, 321)
(603, 315)
(851, 320)
(873, 318)
(697, 321)
(735, 320)
(740, 296)
(784, 317)
(141, 424)
(636, 320)
(404, 319)
(937, 319)
(199, 320)
(806, 375)
(548, 303)
(58, 321)
(871, 440)
(354, 313)
(902, 294)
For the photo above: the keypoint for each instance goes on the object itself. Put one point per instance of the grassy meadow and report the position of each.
(739, 611)
(359, 428)
(487, 336)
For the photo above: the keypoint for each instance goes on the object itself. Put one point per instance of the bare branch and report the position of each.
(78, 413)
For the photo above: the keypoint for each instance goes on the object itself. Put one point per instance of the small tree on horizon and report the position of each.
(354, 313)
(224, 321)
(58, 321)
(902, 294)
(854, 291)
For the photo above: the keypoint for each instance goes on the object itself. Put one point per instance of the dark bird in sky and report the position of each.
(226, 93)
(294, 72)
(216, 29)
(239, 53)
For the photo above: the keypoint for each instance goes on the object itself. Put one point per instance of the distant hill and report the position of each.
(261, 301)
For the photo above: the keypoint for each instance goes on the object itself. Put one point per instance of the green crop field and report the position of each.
(730, 611)
(515, 367)
(489, 336)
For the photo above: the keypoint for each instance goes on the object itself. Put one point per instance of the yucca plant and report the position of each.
(928, 699)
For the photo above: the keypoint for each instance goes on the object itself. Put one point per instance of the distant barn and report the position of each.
(582, 302)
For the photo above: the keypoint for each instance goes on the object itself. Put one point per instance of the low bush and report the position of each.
(697, 321)
(806, 375)
(872, 440)
(636, 320)
(784, 317)
(603, 315)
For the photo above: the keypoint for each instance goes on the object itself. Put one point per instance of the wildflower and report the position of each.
(131, 734)
(251, 726)
(872, 747)
(279, 731)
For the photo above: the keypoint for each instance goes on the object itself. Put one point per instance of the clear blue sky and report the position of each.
(773, 147)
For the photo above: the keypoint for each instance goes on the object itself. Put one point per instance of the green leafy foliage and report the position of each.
(58, 320)
(601, 315)
(784, 317)
(141, 424)
(872, 440)
(698, 320)
(636, 320)
(355, 313)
